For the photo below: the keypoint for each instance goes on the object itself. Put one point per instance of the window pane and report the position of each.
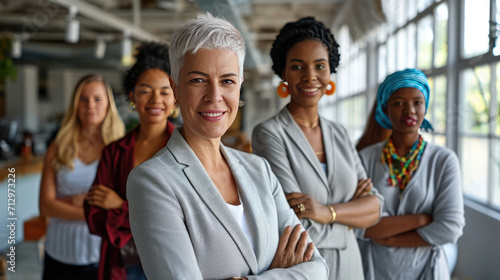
(495, 172)
(429, 115)
(400, 13)
(440, 140)
(382, 62)
(423, 4)
(359, 117)
(439, 106)
(496, 49)
(402, 49)
(382, 33)
(441, 53)
(475, 167)
(434, 138)
(476, 27)
(412, 49)
(475, 100)
(391, 54)
(412, 9)
(425, 38)
(361, 74)
(497, 130)
(346, 110)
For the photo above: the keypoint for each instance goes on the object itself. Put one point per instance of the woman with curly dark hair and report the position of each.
(148, 85)
(313, 158)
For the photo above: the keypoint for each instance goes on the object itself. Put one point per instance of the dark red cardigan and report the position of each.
(113, 226)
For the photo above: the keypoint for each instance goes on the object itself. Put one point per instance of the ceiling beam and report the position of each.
(274, 2)
(108, 19)
(341, 15)
(228, 10)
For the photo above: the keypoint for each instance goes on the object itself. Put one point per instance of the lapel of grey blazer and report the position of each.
(297, 136)
(249, 196)
(203, 185)
(328, 145)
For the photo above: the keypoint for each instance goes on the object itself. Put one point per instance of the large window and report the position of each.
(478, 109)
(348, 105)
(466, 116)
(476, 27)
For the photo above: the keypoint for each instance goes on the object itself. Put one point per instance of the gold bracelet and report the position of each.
(334, 214)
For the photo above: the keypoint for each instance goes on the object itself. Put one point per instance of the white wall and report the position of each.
(479, 247)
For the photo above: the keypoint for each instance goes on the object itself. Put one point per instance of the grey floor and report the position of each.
(28, 262)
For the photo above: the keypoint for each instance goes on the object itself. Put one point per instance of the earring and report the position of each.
(132, 105)
(330, 88)
(282, 90)
(174, 113)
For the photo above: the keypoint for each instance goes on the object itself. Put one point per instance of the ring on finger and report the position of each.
(301, 207)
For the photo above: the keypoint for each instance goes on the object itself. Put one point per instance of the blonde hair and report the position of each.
(112, 128)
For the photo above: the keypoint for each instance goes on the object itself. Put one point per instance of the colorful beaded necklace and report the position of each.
(402, 168)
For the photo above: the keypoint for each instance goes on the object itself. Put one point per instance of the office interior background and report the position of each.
(48, 45)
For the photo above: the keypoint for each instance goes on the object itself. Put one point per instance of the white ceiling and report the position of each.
(41, 24)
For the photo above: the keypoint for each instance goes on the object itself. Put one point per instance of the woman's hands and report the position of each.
(292, 248)
(75, 200)
(311, 208)
(104, 197)
(363, 189)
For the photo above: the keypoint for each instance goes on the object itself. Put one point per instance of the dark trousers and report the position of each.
(55, 270)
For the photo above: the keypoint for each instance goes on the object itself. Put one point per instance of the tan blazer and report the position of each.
(284, 145)
(184, 229)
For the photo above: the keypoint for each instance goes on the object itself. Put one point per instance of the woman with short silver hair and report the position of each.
(200, 210)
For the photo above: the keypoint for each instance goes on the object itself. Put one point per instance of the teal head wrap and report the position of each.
(412, 78)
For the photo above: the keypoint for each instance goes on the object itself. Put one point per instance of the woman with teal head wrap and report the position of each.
(408, 78)
(420, 182)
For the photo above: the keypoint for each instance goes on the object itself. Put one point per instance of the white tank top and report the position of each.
(69, 241)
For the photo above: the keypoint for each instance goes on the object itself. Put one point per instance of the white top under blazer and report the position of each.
(184, 229)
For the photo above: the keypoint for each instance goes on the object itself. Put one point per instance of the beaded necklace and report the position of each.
(402, 168)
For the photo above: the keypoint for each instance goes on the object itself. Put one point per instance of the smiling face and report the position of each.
(92, 104)
(208, 92)
(153, 96)
(307, 72)
(406, 110)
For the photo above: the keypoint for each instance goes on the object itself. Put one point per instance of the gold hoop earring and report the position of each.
(174, 113)
(330, 88)
(282, 90)
(132, 105)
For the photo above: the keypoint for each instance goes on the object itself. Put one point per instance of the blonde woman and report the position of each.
(70, 164)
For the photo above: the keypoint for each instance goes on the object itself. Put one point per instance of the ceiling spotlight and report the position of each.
(126, 43)
(126, 49)
(72, 34)
(100, 48)
(16, 49)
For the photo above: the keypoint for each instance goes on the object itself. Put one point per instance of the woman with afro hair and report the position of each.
(313, 158)
(148, 86)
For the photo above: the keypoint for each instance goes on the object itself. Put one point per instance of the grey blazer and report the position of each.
(284, 145)
(184, 229)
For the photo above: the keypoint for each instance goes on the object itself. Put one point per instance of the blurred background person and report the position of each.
(70, 164)
(149, 88)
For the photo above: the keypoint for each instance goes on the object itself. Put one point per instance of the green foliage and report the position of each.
(7, 68)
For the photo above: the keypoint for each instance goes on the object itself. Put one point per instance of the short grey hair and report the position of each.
(205, 32)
